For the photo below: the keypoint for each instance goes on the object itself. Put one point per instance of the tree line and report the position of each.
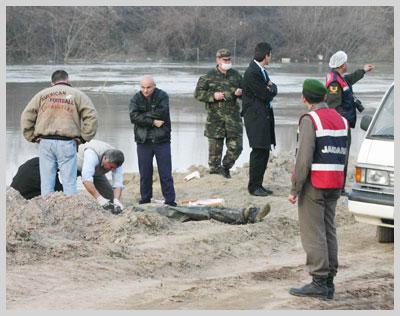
(63, 34)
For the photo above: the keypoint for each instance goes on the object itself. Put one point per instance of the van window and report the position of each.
(383, 124)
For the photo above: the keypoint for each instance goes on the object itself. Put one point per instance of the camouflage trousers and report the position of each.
(234, 147)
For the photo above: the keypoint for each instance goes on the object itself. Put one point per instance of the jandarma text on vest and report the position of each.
(334, 150)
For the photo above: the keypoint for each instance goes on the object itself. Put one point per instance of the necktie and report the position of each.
(264, 72)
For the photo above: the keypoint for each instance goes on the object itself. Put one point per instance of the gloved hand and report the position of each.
(118, 203)
(118, 207)
(104, 203)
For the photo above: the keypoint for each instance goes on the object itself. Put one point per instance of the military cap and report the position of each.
(314, 90)
(223, 52)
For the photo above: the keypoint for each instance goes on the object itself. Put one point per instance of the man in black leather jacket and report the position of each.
(149, 112)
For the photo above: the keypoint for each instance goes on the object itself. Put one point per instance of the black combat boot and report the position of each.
(225, 172)
(214, 171)
(317, 288)
(331, 287)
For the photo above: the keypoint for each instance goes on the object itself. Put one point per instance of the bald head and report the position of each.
(147, 86)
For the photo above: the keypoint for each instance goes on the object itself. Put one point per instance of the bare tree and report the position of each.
(64, 33)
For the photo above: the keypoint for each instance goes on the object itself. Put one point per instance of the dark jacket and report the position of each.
(143, 112)
(342, 101)
(258, 118)
(27, 179)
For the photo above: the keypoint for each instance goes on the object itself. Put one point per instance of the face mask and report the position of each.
(226, 66)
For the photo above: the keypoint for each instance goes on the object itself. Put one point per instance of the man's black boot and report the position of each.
(317, 288)
(225, 172)
(214, 171)
(331, 287)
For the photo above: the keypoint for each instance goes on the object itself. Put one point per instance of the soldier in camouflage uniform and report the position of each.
(219, 89)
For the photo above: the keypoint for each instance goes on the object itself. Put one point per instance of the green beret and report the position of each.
(223, 52)
(314, 90)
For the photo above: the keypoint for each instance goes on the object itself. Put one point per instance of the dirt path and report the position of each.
(67, 253)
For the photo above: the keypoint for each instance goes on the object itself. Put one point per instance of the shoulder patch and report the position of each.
(333, 89)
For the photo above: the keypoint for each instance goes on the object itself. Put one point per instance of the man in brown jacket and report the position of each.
(59, 118)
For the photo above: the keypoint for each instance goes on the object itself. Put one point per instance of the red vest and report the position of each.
(331, 130)
(334, 76)
(347, 108)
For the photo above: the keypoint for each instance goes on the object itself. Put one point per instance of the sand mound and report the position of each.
(61, 226)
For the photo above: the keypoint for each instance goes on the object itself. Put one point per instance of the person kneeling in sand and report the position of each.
(233, 216)
(94, 160)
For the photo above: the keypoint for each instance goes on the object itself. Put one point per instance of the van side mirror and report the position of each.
(365, 121)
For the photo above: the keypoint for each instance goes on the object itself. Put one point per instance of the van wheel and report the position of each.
(385, 234)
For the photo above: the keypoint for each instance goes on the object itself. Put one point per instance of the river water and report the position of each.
(111, 85)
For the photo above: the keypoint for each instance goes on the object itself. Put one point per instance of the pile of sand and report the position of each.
(61, 226)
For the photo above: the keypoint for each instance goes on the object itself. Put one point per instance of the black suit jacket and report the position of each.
(258, 118)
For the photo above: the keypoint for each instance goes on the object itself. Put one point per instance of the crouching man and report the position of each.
(94, 160)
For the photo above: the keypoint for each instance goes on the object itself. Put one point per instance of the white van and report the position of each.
(372, 196)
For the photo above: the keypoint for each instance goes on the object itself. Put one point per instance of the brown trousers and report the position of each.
(317, 208)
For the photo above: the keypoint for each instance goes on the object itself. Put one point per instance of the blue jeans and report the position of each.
(57, 154)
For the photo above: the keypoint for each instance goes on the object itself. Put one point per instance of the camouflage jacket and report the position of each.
(223, 117)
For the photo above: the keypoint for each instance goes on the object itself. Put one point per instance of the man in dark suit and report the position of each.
(258, 92)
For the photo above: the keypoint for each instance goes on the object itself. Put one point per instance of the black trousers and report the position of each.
(102, 185)
(162, 152)
(258, 165)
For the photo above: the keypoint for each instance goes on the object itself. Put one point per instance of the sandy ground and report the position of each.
(68, 253)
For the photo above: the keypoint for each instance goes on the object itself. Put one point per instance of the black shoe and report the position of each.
(317, 288)
(171, 203)
(266, 190)
(259, 192)
(214, 171)
(331, 288)
(225, 173)
(144, 201)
